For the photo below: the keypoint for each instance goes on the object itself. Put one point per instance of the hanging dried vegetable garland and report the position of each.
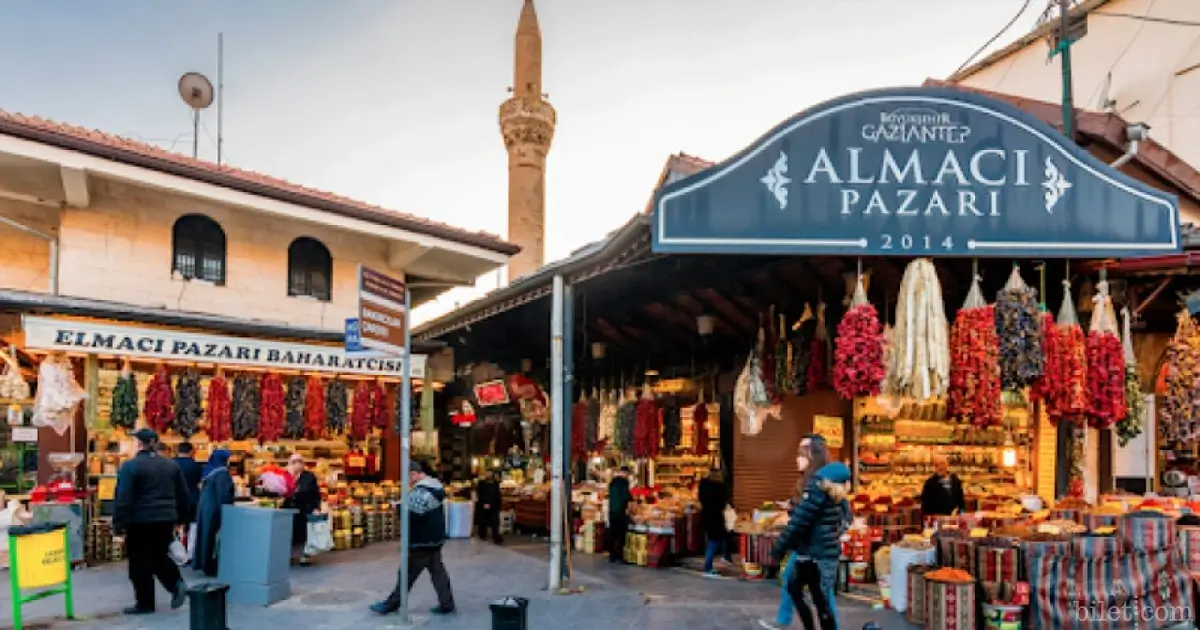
(818, 354)
(1131, 425)
(335, 406)
(314, 408)
(247, 399)
(380, 412)
(593, 422)
(187, 404)
(293, 404)
(1019, 328)
(858, 368)
(1063, 386)
(271, 414)
(218, 412)
(124, 411)
(672, 424)
(1105, 365)
(579, 429)
(921, 337)
(623, 431)
(647, 431)
(360, 412)
(160, 401)
(766, 357)
(700, 423)
(783, 358)
(1179, 418)
(801, 352)
(974, 392)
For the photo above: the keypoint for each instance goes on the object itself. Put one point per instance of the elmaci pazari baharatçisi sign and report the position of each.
(915, 172)
(382, 311)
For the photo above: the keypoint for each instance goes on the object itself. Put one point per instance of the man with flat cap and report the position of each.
(151, 501)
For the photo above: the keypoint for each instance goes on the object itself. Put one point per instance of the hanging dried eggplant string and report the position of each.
(293, 404)
(818, 363)
(858, 355)
(1019, 328)
(336, 405)
(782, 369)
(187, 403)
(1106, 364)
(974, 395)
(124, 411)
(247, 399)
(801, 347)
(1131, 426)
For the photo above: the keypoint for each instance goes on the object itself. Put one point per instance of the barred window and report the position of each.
(198, 246)
(310, 269)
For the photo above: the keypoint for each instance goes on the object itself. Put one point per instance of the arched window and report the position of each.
(310, 268)
(198, 246)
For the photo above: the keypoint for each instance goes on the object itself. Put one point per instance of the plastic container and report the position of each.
(206, 606)
(997, 617)
(510, 613)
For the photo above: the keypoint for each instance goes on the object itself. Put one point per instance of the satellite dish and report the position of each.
(196, 90)
(1105, 103)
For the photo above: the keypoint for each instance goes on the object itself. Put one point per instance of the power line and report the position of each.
(1147, 18)
(998, 35)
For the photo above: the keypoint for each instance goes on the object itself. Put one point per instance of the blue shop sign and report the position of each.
(915, 172)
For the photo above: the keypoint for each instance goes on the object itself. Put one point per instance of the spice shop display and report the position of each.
(58, 394)
(974, 391)
(247, 403)
(124, 411)
(1130, 426)
(293, 403)
(920, 338)
(1019, 328)
(1179, 419)
(271, 410)
(858, 355)
(187, 404)
(218, 412)
(1106, 365)
(159, 409)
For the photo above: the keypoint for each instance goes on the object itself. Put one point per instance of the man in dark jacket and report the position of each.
(151, 500)
(487, 507)
(428, 532)
(619, 497)
(185, 458)
(943, 492)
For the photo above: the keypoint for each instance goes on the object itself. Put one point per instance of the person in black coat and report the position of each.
(216, 491)
(619, 498)
(714, 496)
(306, 500)
(487, 507)
(943, 492)
(151, 501)
(192, 471)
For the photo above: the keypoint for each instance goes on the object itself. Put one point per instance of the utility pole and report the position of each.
(1063, 48)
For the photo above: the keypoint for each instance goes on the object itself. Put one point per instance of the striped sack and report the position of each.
(1095, 546)
(1189, 547)
(1146, 531)
(1072, 593)
(1032, 550)
(1094, 521)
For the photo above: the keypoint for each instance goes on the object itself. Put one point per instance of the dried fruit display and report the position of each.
(974, 392)
(247, 399)
(858, 368)
(336, 404)
(1019, 328)
(160, 401)
(187, 404)
(124, 412)
(920, 349)
(360, 411)
(293, 404)
(1130, 426)
(1179, 418)
(314, 409)
(218, 412)
(271, 411)
(1105, 365)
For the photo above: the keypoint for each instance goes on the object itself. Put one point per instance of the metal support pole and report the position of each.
(405, 455)
(556, 434)
(568, 403)
(1064, 45)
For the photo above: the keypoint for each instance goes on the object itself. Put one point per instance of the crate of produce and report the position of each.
(1147, 531)
(949, 600)
(916, 593)
(1189, 547)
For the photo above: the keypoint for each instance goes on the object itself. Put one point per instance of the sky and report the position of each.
(395, 102)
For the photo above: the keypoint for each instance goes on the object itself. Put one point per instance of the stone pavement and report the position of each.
(335, 593)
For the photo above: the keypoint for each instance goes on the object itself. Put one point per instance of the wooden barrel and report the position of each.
(1189, 547)
(916, 593)
(1146, 531)
(949, 605)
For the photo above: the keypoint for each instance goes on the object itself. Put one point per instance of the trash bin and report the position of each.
(206, 605)
(509, 613)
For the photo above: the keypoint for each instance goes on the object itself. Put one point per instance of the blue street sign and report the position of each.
(353, 336)
(915, 172)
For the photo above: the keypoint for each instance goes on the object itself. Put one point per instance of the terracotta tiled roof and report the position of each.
(1106, 128)
(141, 154)
(678, 166)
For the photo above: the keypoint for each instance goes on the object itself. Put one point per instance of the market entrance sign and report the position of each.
(915, 172)
(382, 311)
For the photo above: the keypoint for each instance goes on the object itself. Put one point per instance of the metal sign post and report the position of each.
(405, 458)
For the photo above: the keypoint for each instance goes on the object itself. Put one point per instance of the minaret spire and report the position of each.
(527, 124)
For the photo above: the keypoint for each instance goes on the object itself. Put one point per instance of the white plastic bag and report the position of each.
(320, 538)
(730, 515)
(177, 552)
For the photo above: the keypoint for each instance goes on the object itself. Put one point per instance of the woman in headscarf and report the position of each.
(306, 500)
(216, 491)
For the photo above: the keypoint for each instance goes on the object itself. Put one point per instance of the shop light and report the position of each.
(705, 324)
(1009, 457)
(598, 350)
(651, 372)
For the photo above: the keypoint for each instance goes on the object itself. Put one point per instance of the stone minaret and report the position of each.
(527, 124)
